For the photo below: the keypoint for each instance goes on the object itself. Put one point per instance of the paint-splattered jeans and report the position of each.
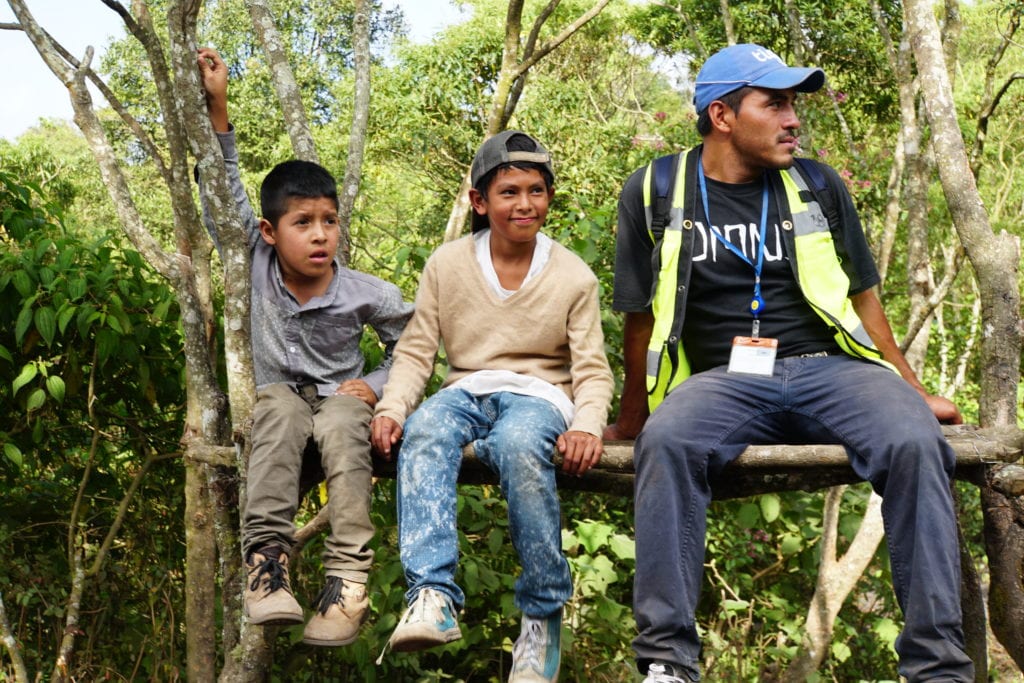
(513, 435)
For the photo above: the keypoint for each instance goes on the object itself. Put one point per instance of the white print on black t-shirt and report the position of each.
(706, 246)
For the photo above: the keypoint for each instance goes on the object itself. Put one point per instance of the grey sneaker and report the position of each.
(429, 622)
(537, 654)
(268, 594)
(338, 612)
(663, 673)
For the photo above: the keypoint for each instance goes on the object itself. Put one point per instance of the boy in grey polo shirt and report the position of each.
(308, 315)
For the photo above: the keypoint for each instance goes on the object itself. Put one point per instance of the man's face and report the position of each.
(764, 131)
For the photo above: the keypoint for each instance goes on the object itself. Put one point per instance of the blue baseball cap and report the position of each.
(738, 66)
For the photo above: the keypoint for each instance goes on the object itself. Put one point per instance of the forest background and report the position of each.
(125, 401)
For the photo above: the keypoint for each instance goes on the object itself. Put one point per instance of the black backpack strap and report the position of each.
(663, 179)
(821, 191)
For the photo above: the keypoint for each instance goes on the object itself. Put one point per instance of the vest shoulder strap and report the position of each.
(821, 191)
(663, 177)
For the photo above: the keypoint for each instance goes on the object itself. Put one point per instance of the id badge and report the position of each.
(753, 356)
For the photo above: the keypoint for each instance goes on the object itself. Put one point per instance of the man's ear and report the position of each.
(478, 201)
(267, 231)
(721, 116)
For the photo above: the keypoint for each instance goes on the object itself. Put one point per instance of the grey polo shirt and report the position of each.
(318, 342)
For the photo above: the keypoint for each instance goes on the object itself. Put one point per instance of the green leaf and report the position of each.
(46, 323)
(791, 544)
(13, 453)
(770, 506)
(35, 400)
(64, 317)
(23, 283)
(23, 323)
(27, 374)
(55, 385)
(77, 288)
(593, 534)
(887, 630)
(749, 515)
(5, 354)
(622, 546)
(735, 605)
(46, 275)
(841, 651)
(114, 324)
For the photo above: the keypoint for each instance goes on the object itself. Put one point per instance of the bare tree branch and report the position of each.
(360, 122)
(283, 77)
(11, 645)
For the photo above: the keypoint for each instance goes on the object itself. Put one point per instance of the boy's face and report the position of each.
(306, 241)
(516, 204)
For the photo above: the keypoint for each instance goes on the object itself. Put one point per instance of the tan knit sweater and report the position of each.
(550, 329)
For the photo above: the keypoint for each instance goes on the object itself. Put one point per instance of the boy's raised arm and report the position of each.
(214, 73)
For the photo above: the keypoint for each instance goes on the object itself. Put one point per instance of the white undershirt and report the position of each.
(484, 382)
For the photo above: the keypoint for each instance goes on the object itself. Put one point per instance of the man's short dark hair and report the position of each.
(295, 178)
(733, 100)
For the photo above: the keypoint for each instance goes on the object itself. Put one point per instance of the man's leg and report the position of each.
(701, 426)
(895, 443)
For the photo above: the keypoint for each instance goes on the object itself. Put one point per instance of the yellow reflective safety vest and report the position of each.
(807, 236)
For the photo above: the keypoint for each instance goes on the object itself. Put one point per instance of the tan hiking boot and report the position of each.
(268, 595)
(339, 610)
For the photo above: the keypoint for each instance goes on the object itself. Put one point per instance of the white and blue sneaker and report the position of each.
(537, 654)
(428, 622)
(663, 673)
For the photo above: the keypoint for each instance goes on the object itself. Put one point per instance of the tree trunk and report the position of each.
(515, 67)
(836, 578)
(995, 259)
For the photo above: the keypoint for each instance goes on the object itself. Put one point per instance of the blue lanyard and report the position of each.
(757, 303)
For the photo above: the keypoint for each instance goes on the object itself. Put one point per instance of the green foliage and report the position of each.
(89, 337)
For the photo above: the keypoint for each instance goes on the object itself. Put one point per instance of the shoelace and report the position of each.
(416, 612)
(274, 571)
(526, 651)
(656, 673)
(328, 595)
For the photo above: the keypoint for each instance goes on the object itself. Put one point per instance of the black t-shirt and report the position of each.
(722, 285)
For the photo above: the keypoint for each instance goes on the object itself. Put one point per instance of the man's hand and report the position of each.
(945, 411)
(358, 389)
(580, 451)
(214, 74)
(617, 432)
(384, 433)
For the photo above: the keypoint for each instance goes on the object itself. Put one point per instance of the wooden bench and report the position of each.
(765, 469)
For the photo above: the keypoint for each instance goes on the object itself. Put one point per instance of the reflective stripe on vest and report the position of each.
(824, 284)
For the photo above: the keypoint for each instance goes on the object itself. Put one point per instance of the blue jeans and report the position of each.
(893, 441)
(515, 437)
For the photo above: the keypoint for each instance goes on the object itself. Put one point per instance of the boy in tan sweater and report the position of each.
(519, 319)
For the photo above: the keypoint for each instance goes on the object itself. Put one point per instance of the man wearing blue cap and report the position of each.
(750, 319)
